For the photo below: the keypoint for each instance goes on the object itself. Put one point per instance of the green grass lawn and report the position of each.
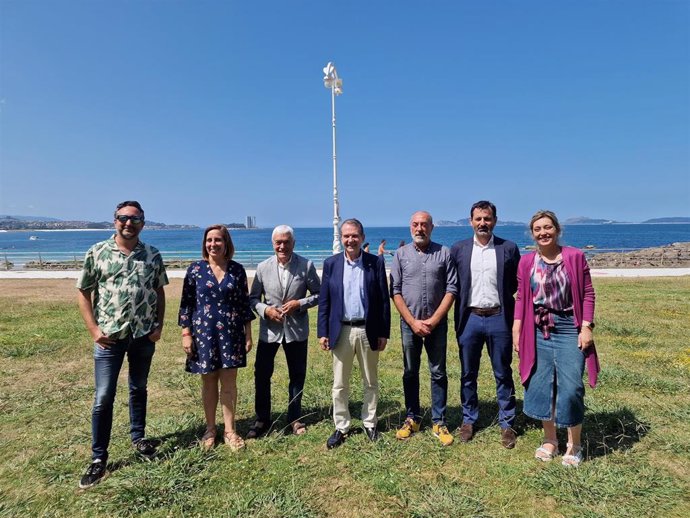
(635, 434)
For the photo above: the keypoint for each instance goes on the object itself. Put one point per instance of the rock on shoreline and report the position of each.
(675, 255)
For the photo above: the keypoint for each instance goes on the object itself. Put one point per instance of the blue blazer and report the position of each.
(507, 260)
(376, 303)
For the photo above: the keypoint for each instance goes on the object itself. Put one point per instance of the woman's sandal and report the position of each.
(575, 458)
(258, 429)
(299, 428)
(233, 440)
(545, 455)
(208, 440)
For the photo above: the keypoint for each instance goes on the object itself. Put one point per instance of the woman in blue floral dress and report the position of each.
(216, 329)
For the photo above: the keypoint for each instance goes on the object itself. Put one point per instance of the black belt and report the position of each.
(486, 312)
(353, 323)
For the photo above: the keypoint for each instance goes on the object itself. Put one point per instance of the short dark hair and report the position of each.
(484, 205)
(354, 222)
(129, 203)
(225, 234)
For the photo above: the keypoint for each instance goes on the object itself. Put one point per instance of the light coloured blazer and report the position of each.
(267, 290)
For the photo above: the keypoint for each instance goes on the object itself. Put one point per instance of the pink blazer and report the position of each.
(583, 309)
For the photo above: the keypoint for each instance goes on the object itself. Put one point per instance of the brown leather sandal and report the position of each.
(208, 440)
(258, 429)
(299, 428)
(233, 441)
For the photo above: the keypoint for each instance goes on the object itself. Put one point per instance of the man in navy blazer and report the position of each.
(487, 280)
(354, 320)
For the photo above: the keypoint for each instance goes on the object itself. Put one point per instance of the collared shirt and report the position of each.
(423, 277)
(283, 274)
(278, 334)
(124, 287)
(353, 289)
(483, 266)
(273, 286)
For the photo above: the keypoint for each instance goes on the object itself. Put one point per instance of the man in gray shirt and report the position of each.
(424, 285)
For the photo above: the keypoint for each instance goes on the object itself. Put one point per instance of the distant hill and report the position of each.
(39, 223)
(27, 218)
(510, 223)
(466, 223)
(668, 220)
(582, 220)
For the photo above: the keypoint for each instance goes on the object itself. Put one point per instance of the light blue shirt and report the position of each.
(353, 289)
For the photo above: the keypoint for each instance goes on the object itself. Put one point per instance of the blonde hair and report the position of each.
(545, 214)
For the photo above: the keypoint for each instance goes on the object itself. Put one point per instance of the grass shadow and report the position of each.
(392, 416)
(607, 431)
(310, 416)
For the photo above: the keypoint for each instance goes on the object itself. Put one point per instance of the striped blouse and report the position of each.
(551, 288)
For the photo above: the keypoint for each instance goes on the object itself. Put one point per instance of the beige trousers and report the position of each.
(352, 342)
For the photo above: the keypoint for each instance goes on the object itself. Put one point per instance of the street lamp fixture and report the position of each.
(335, 84)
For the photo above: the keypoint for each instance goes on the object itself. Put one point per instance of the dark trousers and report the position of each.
(108, 363)
(435, 345)
(495, 333)
(296, 356)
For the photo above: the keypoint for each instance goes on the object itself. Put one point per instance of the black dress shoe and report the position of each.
(372, 433)
(335, 440)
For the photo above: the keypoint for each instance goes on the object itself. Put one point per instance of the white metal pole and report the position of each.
(336, 208)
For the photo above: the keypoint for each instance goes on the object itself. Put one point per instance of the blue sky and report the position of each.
(209, 111)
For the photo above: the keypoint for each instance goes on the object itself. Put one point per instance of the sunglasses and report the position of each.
(136, 220)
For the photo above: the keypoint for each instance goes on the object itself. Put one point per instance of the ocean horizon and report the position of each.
(253, 245)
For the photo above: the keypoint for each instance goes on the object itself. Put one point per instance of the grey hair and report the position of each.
(283, 229)
(431, 219)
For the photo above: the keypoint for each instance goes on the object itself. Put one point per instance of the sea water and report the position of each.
(254, 245)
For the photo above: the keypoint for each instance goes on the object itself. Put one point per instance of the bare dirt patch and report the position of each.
(34, 290)
(59, 290)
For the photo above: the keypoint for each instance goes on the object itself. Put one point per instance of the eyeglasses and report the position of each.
(136, 220)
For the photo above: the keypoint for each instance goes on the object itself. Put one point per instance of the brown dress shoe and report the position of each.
(466, 432)
(508, 438)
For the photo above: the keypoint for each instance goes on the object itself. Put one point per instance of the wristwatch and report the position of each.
(589, 324)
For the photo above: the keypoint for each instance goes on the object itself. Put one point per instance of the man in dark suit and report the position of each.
(487, 280)
(354, 320)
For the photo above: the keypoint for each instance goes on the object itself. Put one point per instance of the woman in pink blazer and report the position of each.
(552, 334)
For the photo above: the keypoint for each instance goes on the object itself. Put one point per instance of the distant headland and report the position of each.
(579, 220)
(8, 222)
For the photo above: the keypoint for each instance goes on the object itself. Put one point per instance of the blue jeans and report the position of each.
(499, 344)
(555, 390)
(435, 345)
(108, 363)
(296, 356)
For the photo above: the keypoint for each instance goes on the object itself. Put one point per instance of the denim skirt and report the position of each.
(555, 391)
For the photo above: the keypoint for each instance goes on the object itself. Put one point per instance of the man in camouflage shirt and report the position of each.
(122, 301)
